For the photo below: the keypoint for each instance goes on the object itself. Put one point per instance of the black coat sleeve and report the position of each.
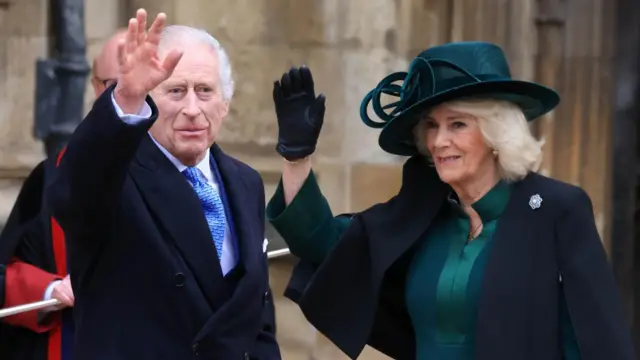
(593, 298)
(84, 195)
(392, 332)
(86, 189)
(312, 285)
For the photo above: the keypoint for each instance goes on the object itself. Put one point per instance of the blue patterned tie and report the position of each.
(211, 204)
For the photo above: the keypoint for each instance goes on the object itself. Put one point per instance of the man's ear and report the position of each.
(224, 109)
(98, 87)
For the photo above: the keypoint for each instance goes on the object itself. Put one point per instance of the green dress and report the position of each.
(445, 275)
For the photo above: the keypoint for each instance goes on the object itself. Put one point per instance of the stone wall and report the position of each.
(21, 42)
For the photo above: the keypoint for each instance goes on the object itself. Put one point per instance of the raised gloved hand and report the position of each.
(300, 114)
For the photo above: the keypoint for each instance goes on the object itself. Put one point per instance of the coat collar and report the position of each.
(243, 203)
(408, 215)
(489, 207)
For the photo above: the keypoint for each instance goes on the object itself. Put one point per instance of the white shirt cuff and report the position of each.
(49, 290)
(132, 119)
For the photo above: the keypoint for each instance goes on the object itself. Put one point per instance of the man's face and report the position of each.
(190, 105)
(105, 66)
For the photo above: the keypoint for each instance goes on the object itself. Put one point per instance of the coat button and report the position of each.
(178, 279)
(195, 348)
(265, 297)
(246, 356)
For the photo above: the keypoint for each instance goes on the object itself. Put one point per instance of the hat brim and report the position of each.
(534, 99)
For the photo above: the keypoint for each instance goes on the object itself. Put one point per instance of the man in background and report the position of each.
(104, 71)
(32, 245)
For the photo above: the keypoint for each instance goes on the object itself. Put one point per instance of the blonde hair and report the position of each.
(504, 129)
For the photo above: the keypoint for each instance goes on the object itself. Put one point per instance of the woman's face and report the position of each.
(457, 146)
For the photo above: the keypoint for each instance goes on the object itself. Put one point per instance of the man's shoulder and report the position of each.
(244, 170)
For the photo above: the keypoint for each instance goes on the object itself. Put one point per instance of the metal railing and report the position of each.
(38, 305)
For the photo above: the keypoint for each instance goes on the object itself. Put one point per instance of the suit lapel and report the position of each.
(241, 200)
(511, 245)
(506, 289)
(179, 213)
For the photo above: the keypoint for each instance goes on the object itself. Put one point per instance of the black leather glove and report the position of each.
(300, 114)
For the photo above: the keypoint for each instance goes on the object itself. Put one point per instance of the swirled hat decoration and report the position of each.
(444, 73)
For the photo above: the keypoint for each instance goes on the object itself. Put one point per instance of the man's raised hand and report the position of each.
(141, 69)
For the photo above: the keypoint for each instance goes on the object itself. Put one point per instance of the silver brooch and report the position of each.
(535, 201)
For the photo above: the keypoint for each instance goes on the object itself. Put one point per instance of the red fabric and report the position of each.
(60, 154)
(54, 348)
(24, 284)
(54, 351)
(59, 249)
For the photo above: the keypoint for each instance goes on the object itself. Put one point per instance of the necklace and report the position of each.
(472, 233)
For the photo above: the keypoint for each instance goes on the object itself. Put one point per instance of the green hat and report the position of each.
(444, 73)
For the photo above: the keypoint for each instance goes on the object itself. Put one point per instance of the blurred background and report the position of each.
(585, 49)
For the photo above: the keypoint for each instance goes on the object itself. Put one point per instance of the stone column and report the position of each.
(21, 43)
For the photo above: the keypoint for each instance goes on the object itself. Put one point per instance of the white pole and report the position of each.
(28, 307)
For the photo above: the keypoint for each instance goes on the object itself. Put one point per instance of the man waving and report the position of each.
(164, 230)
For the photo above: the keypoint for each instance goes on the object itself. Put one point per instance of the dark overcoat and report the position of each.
(145, 272)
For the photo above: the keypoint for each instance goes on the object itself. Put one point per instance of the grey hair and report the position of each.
(173, 34)
(504, 129)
